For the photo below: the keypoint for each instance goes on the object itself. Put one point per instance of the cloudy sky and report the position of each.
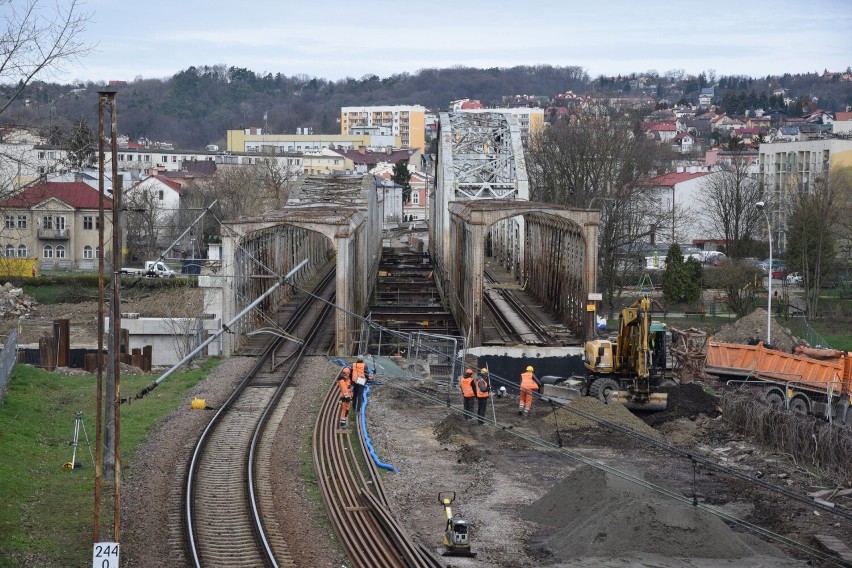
(337, 39)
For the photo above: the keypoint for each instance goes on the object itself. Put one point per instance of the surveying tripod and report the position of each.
(78, 423)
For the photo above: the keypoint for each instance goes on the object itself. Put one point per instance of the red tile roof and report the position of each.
(671, 179)
(843, 116)
(76, 194)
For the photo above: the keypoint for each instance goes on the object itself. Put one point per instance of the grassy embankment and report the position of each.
(47, 514)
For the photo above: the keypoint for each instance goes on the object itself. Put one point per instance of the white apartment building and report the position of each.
(789, 167)
(408, 122)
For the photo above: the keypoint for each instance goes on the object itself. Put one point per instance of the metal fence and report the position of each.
(7, 361)
(802, 328)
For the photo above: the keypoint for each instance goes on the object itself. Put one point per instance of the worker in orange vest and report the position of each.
(344, 383)
(483, 391)
(360, 376)
(466, 383)
(529, 383)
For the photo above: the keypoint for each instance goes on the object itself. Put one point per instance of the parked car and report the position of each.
(779, 273)
(795, 279)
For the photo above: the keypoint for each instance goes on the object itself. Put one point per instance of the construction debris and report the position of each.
(689, 353)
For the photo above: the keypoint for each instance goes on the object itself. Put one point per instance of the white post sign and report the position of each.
(105, 555)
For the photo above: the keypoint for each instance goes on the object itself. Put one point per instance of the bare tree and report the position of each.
(145, 220)
(38, 41)
(276, 176)
(728, 199)
(814, 226)
(596, 160)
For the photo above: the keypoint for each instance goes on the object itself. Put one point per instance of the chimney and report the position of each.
(78, 177)
(362, 150)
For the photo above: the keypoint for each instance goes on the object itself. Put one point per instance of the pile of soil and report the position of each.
(685, 401)
(616, 413)
(751, 328)
(593, 514)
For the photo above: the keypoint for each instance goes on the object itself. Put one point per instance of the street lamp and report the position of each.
(761, 206)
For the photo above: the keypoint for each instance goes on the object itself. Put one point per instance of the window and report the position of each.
(129, 157)
(47, 252)
(87, 252)
(47, 222)
(88, 223)
(59, 221)
(60, 251)
(121, 157)
(162, 194)
(22, 251)
(10, 250)
(42, 155)
(415, 197)
(22, 221)
(174, 159)
(147, 157)
(10, 221)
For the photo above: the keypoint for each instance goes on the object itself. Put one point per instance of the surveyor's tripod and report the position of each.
(78, 423)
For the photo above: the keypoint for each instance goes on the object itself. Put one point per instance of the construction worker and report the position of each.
(344, 382)
(467, 388)
(529, 383)
(483, 391)
(359, 379)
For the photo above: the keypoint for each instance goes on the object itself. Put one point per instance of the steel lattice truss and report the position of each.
(483, 156)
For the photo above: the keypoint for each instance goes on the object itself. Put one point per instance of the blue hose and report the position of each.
(362, 418)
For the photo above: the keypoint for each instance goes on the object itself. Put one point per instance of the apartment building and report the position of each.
(406, 122)
(789, 167)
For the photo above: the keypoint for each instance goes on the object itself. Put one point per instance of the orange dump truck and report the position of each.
(812, 381)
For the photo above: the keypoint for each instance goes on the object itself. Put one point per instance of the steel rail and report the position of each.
(224, 476)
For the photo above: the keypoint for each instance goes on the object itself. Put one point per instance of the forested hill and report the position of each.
(197, 106)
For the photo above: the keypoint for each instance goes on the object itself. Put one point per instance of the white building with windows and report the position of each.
(57, 223)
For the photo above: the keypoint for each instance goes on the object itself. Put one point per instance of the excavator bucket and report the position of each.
(656, 401)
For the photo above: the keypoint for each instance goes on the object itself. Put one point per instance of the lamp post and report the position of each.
(761, 206)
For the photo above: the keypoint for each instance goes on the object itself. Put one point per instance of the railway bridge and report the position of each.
(327, 219)
(481, 210)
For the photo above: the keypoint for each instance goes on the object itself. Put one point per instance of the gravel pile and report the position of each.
(616, 413)
(593, 514)
(753, 327)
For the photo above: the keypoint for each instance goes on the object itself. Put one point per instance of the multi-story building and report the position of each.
(253, 140)
(786, 168)
(407, 122)
(56, 222)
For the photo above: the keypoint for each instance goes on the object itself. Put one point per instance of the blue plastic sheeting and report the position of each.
(370, 450)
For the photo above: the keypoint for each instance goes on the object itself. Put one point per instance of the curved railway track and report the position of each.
(228, 498)
(355, 498)
(512, 319)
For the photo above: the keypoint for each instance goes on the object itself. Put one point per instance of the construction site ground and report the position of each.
(529, 504)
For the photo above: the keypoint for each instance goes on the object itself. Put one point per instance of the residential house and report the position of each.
(56, 222)
(364, 160)
(679, 194)
(705, 97)
(664, 132)
(788, 134)
(842, 123)
(724, 122)
(683, 142)
(417, 206)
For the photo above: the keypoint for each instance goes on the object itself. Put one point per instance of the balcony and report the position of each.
(54, 234)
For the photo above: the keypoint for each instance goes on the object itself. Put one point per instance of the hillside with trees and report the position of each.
(196, 106)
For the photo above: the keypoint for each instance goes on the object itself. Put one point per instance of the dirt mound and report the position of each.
(593, 514)
(753, 327)
(684, 401)
(616, 413)
(450, 427)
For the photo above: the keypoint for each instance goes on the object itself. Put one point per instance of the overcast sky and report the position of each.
(337, 39)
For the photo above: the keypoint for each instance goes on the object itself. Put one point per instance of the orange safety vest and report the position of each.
(359, 369)
(482, 388)
(345, 387)
(467, 386)
(528, 382)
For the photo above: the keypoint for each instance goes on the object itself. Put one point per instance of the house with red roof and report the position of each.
(153, 205)
(678, 193)
(842, 123)
(56, 223)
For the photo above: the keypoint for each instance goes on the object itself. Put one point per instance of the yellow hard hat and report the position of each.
(483, 370)
(529, 368)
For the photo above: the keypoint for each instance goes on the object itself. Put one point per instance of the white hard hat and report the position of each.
(502, 389)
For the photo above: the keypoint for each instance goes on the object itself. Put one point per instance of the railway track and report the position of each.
(513, 321)
(228, 499)
(355, 498)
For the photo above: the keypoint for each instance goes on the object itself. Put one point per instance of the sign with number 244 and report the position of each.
(105, 555)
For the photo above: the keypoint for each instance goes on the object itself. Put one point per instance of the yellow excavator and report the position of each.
(622, 371)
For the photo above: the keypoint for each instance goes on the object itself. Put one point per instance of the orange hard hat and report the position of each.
(529, 368)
